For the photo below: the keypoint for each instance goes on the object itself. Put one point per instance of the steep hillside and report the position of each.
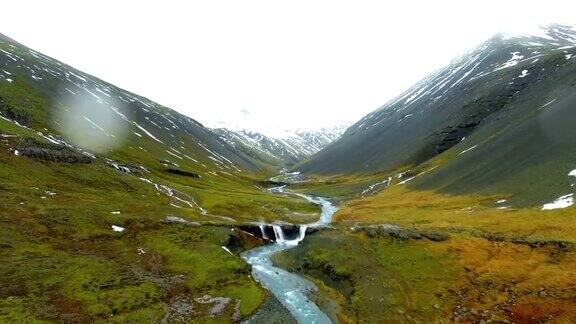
(116, 209)
(65, 107)
(283, 151)
(496, 120)
(35, 89)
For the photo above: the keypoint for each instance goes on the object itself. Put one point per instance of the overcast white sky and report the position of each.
(267, 64)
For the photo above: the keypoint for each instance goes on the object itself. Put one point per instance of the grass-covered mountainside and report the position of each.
(131, 231)
(280, 152)
(495, 121)
(457, 197)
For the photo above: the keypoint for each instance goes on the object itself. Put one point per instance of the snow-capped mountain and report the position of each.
(284, 151)
(497, 119)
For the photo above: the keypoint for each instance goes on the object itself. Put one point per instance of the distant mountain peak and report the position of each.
(283, 150)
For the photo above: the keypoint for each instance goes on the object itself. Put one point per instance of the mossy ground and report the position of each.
(369, 277)
(501, 264)
(465, 278)
(61, 261)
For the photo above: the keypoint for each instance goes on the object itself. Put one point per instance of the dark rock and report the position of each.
(252, 229)
(235, 244)
(290, 231)
(52, 152)
(182, 173)
(558, 245)
(270, 183)
(269, 231)
(256, 230)
(401, 233)
(436, 236)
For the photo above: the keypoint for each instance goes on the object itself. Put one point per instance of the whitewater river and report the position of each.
(290, 289)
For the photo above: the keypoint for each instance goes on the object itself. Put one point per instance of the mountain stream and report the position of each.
(290, 289)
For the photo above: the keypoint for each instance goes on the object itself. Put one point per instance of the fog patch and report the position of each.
(91, 124)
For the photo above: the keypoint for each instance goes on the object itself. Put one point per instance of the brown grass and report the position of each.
(522, 283)
(499, 280)
(428, 209)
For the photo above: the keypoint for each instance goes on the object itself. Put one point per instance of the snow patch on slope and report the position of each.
(562, 202)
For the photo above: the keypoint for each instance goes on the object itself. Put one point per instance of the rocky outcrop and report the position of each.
(52, 152)
(398, 232)
(557, 245)
(218, 305)
(271, 183)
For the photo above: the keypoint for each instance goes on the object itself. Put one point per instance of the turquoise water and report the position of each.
(290, 289)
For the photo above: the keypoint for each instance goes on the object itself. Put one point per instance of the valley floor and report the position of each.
(404, 255)
(89, 243)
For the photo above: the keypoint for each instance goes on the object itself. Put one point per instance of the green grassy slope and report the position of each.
(90, 235)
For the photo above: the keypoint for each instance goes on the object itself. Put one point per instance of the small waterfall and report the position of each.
(300, 238)
(279, 233)
(302, 233)
(263, 230)
(283, 235)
